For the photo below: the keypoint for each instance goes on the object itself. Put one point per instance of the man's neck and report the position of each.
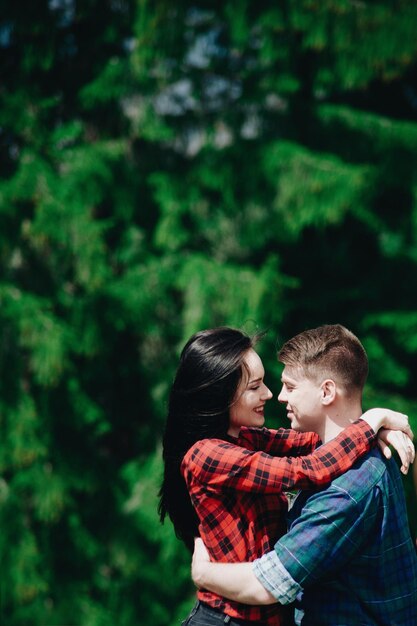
(337, 420)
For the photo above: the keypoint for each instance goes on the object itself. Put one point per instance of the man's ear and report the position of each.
(328, 391)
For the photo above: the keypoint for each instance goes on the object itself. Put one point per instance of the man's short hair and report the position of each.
(329, 351)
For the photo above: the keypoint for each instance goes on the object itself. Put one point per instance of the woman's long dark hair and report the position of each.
(208, 375)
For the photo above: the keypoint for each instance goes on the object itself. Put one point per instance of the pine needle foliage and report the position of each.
(166, 167)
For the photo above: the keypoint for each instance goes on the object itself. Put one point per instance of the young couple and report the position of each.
(347, 557)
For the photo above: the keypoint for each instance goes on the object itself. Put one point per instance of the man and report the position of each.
(348, 557)
(415, 497)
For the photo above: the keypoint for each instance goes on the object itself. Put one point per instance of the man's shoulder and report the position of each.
(352, 489)
(368, 472)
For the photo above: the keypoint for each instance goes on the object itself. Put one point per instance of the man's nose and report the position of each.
(282, 396)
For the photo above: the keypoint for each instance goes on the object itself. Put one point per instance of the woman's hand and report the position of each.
(400, 442)
(386, 418)
(393, 429)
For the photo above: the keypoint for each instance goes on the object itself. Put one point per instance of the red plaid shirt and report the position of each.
(238, 494)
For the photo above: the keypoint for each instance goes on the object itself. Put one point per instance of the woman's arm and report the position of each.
(288, 442)
(281, 442)
(217, 464)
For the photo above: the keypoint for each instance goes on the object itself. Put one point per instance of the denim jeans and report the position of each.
(204, 615)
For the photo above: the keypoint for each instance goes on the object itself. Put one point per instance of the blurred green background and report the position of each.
(167, 167)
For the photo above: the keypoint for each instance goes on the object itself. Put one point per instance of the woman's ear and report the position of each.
(328, 391)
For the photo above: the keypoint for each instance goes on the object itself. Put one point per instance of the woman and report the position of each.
(224, 475)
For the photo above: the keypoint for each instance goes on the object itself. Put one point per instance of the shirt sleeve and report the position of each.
(332, 527)
(275, 578)
(281, 442)
(218, 464)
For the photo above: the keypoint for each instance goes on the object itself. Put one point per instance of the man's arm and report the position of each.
(235, 581)
(331, 526)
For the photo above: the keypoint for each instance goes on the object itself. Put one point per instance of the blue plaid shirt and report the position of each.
(348, 558)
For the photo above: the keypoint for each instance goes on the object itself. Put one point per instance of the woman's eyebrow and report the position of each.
(255, 380)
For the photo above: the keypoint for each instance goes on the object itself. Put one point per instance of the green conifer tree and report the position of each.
(163, 168)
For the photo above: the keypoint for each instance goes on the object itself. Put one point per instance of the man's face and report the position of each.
(302, 398)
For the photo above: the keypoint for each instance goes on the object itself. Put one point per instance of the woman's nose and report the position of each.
(267, 393)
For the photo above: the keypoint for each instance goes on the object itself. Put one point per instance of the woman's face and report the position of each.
(251, 395)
